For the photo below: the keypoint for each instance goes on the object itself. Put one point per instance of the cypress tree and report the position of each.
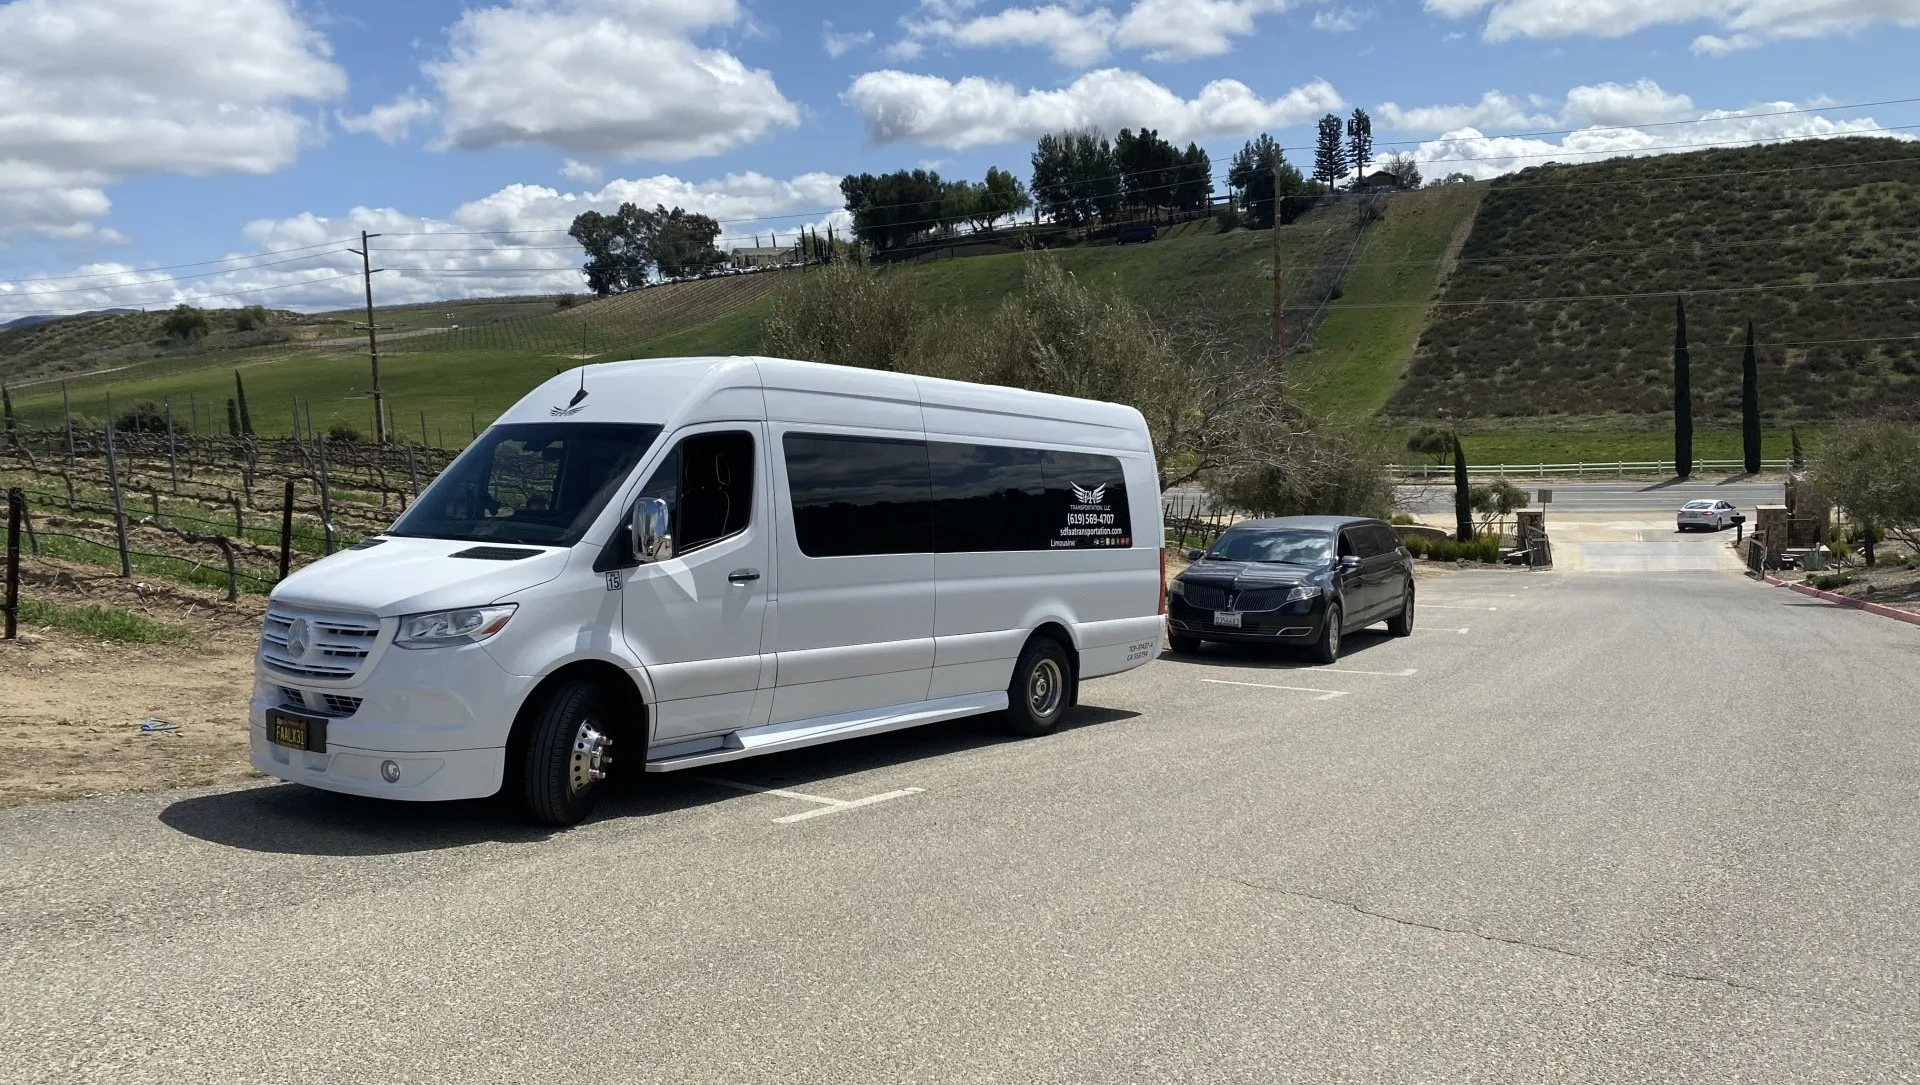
(6, 402)
(1796, 456)
(233, 419)
(1750, 405)
(240, 396)
(1682, 394)
(1462, 493)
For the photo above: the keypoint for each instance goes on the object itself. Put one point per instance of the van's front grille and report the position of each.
(324, 704)
(329, 647)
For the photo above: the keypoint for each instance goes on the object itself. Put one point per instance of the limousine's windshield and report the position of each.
(1282, 546)
(540, 483)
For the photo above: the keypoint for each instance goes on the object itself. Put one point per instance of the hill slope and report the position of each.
(1719, 222)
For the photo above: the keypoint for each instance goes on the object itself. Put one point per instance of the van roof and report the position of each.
(670, 390)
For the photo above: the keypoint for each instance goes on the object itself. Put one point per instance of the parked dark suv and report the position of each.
(1304, 580)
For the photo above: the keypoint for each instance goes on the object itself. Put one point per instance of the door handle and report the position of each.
(743, 576)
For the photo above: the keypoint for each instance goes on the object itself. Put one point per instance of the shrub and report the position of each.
(1403, 519)
(1227, 218)
(566, 301)
(1831, 581)
(252, 318)
(186, 323)
(143, 417)
(344, 432)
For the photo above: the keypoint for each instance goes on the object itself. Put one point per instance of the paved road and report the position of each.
(1579, 828)
(1615, 496)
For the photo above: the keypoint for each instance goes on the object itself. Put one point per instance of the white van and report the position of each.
(682, 562)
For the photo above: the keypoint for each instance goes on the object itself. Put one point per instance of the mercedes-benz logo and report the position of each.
(299, 638)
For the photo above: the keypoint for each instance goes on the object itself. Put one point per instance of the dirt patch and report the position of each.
(71, 706)
(1897, 587)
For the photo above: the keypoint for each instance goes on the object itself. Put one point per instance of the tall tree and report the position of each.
(240, 396)
(1252, 173)
(680, 242)
(1682, 394)
(1360, 143)
(892, 209)
(1329, 153)
(1076, 177)
(1001, 195)
(233, 419)
(1750, 405)
(1194, 189)
(1439, 444)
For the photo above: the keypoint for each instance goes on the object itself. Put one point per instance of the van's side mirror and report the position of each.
(1196, 555)
(652, 531)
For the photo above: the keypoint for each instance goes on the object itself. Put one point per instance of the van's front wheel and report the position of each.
(567, 755)
(1042, 688)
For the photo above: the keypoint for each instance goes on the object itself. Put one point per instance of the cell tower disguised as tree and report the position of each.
(1359, 142)
(1329, 152)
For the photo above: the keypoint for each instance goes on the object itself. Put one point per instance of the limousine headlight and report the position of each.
(446, 628)
(1176, 587)
(1304, 591)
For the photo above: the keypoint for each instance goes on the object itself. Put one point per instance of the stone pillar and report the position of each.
(1770, 529)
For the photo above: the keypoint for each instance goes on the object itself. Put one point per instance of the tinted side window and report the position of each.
(1381, 540)
(858, 495)
(987, 499)
(1086, 502)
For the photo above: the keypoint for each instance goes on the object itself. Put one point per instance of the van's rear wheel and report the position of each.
(1042, 688)
(567, 755)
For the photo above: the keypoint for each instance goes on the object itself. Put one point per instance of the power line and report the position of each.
(1638, 127)
(210, 297)
(10, 296)
(170, 267)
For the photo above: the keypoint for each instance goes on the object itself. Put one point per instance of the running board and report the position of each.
(774, 737)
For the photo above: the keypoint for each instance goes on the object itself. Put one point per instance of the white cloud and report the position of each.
(1080, 34)
(1184, 29)
(390, 122)
(93, 93)
(620, 78)
(1076, 38)
(1470, 151)
(839, 44)
(585, 173)
(524, 249)
(1340, 20)
(1643, 102)
(1493, 110)
(1750, 21)
(900, 107)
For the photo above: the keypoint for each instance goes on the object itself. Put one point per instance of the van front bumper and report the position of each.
(434, 777)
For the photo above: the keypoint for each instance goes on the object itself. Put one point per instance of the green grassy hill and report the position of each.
(1720, 222)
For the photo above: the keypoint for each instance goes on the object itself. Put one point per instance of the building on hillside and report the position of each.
(1378, 181)
(747, 259)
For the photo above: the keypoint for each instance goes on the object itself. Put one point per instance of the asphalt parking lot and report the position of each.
(1580, 827)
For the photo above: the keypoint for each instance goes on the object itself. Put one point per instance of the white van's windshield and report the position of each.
(539, 483)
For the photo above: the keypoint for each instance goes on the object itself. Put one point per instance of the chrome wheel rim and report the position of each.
(591, 754)
(1408, 608)
(1046, 687)
(1333, 632)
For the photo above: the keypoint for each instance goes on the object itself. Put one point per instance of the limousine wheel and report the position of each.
(1401, 625)
(1327, 648)
(1184, 646)
(1042, 688)
(567, 755)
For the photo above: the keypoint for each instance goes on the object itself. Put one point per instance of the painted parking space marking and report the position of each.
(1418, 629)
(1408, 673)
(1440, 606)
(841, 807)
(825, 805)
(1325, 694)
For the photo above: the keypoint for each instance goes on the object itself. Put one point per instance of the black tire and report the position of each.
(554, 789)
(1327, 648)
(1184, 646)
(1042, 688)
(1401, 624)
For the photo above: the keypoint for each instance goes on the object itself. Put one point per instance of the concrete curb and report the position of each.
(1849, 601)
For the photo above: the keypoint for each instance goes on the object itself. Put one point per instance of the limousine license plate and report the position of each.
(296, 732)
(1226, 619)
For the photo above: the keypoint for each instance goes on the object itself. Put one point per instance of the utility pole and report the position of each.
(365, 252)
(1279, 309)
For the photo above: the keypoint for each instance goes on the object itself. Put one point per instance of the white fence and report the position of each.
(1425, 472)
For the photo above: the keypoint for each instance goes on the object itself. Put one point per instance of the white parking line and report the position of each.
(868, 801)
(1438, 606)
(1326, 694)
(1422, 629)
(827, 806)
(1408, 673)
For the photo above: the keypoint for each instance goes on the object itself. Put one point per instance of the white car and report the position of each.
(1708, 515)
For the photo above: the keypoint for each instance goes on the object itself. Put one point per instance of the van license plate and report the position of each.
(296, 732)
(1226, 619)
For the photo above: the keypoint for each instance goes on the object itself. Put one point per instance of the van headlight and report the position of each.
(445, 628)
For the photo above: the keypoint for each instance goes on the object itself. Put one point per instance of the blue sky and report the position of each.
(136, 134)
